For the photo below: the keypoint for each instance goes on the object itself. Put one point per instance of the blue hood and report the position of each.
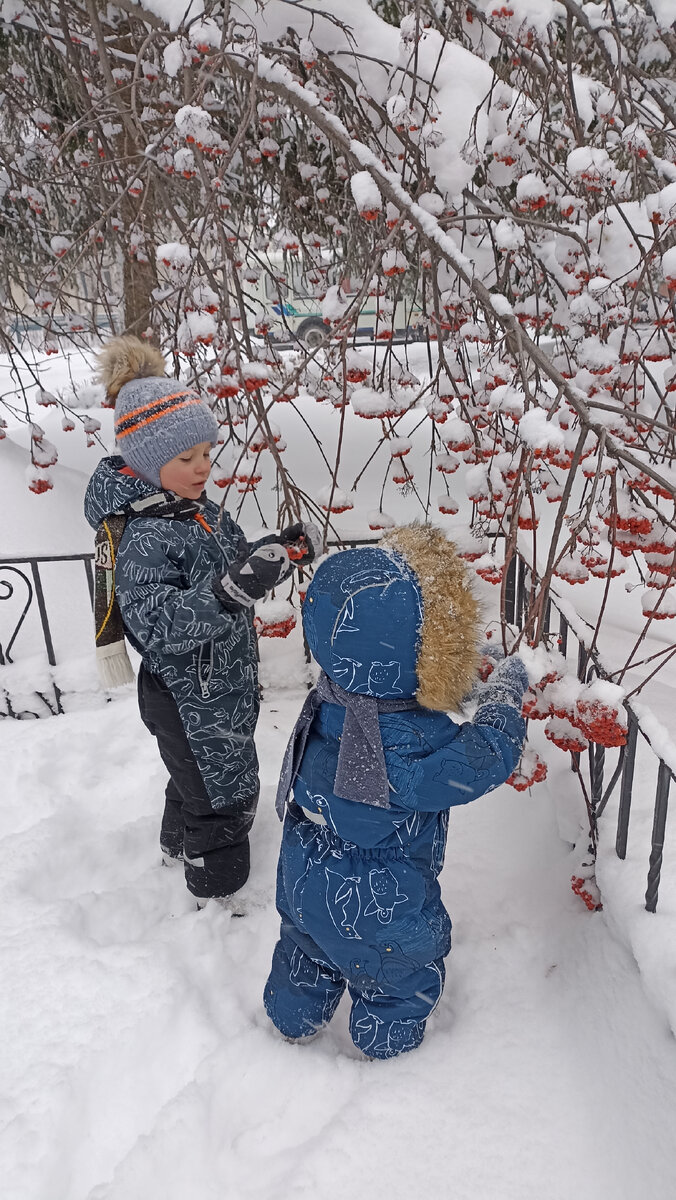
(362, 617)
(108, 491)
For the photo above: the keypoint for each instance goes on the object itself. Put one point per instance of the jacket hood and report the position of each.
(362, 616)
(396, 620)
(109, 490)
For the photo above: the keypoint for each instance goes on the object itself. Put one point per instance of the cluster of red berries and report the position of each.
(274, 629)
(600, 723)
(486, 668)
(604, 724)
(527, 774)
(579, 887)
(491, 573)
(564, 735)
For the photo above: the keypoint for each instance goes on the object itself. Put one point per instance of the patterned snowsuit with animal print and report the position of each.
(198, 683)
(357, 888)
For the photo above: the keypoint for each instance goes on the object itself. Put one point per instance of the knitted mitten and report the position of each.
(506, 684)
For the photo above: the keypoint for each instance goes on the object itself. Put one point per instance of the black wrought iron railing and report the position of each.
(589, 666)
(21, 581)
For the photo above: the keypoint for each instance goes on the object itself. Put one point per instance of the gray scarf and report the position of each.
(361, 773)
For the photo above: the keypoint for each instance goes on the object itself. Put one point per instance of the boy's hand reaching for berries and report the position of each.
(303, 542)
(253, 575)
(249, 579)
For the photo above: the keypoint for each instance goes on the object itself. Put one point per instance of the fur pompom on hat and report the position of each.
(155, 417)
(127, 358)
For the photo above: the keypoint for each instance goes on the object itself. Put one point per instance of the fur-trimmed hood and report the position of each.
(396, 620)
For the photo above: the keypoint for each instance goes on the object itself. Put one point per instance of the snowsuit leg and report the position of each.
(372, 920)
(215, 844)
(171, 830)
(389, 1020)
(303, 988)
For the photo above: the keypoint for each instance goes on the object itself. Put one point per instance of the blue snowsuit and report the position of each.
(199, 659)
(357, 887)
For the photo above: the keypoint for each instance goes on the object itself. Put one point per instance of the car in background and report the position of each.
(283, 292)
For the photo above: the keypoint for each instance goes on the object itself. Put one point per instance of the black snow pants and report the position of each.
(214, 844)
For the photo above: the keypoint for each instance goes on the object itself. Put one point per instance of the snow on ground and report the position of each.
(138, 1061)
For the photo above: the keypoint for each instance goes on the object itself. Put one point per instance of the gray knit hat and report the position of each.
(155, 417)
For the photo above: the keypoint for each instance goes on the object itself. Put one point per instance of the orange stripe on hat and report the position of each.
(158, 416)
(135, 412)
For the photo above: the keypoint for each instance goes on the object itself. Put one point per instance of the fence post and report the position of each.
(5, 654)
(582, 660)
(627, 782)
(510, 591)
(42, 608)
(657, 844)
(563, 635)
(597, 758)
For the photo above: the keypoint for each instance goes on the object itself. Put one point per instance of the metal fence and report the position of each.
(21, 580)
(517, 587)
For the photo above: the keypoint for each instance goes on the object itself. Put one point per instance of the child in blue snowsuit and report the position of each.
(185, 580)
(370, 773)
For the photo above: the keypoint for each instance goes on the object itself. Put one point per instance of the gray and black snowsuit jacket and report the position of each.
(205, 654)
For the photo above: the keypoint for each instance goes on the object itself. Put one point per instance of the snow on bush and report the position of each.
(600, 713)
(175, 256)
(274, 618)
(366, 194)
(538, 432)
(334, 500)
(380, 520)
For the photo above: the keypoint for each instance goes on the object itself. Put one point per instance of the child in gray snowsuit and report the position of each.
(185, 580)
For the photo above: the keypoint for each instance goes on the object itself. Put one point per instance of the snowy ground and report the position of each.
(138, 1061)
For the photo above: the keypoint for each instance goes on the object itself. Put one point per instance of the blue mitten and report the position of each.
(499, 700)
(506, 684)
(492, 650)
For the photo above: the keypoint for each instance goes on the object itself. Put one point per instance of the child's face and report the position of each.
(187, 473)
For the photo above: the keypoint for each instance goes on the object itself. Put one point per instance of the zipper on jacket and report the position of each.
(204, 674)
